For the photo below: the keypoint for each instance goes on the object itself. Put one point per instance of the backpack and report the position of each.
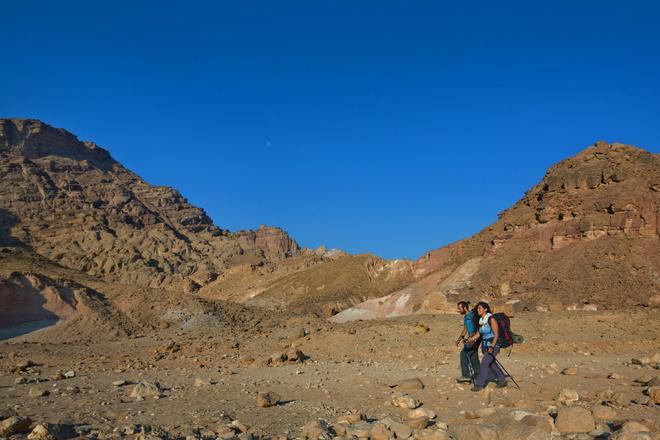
(504, 325)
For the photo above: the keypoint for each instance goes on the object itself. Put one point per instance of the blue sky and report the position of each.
(375, 126)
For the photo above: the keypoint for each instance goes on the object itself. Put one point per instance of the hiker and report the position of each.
(489, 332)
(469, 352)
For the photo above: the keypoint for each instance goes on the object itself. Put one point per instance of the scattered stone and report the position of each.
(58, 375)
(266, 399)
(633, 426)
(37, 392)
(432, 434)
(14, 425)
(615, 376)
(404, 401)
(621, 399)
(654, 394)
(70, 374)
(570, 371)
(420, 329)
(379, 431)
(48, 431)
(568, 396)
(350, 418)
(20, 380)
(200, 382)
(400, 430)
(144, 389)
(542, 422)
(409, 385)
(246, 361)
(419, 412)
(603, 412)
(296, 333)
(574, 419)
(359, 430)
(419, 422)
(479, 413)
(119, 383)
(316, 430)
(474, 432)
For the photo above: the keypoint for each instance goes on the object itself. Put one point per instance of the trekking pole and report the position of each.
(474, 381)
(499, 364)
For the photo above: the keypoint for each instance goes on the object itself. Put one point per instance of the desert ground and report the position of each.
(208, 379)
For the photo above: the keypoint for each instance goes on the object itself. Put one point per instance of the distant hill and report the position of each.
(585, 236)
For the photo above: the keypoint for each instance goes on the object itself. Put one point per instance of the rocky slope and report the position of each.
(585, 236)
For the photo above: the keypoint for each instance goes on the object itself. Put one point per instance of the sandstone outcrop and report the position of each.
(584, 238)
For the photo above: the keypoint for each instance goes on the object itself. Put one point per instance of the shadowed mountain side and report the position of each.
(586, 236)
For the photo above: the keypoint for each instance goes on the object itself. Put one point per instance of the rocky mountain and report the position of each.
(70, 202)
(586, 236)
(74, 204)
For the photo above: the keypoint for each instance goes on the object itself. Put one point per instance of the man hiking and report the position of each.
(469, 356)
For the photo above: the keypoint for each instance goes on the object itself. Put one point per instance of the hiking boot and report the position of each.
(501, 384)
(463, 379)
(475, 388)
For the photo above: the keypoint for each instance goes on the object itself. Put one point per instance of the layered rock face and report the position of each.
(585, 236)
(74, 204)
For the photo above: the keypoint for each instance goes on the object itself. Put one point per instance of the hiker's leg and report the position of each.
(499, 374)
(465, 371)
(473, 356)
(482, 378)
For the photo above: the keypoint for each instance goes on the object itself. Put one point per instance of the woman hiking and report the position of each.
(489, 332)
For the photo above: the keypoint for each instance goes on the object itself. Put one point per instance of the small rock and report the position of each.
(474, 432)
(405, 401)
(574, 419)
(568, 396)
(409, 385)
(400, 430)
(603, 412)
(570, 371)
(144, 389)
(654, 394)
(316, 429)
(200, 382)
(70, 374)
(37, 392)
(633, 426)
(419, 412)
(379, 431)
(14, 425)
(419, 422)
(20, 381)
(537, 421)
(266, 399)
(119, 383)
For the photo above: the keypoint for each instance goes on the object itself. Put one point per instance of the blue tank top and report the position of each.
(486, 331)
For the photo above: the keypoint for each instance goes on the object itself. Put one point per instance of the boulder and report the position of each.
(574, 419)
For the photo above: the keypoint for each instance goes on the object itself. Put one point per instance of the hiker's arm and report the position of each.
(496, 332)
(460, 337)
